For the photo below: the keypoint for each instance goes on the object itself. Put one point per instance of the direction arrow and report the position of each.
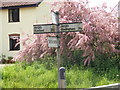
(64, 27)
(71, 27)
(44, 28)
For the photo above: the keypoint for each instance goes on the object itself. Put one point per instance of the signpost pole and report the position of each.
(56, 21)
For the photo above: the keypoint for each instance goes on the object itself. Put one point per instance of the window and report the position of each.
(14, 42)
(13, 15)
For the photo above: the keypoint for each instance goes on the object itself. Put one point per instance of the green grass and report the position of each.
(31, 76)
(0, 77)
(39, 75)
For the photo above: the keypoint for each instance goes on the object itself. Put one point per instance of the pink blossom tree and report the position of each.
(100, 32)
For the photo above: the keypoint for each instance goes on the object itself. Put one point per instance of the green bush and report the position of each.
(29, 76)
(75, 59)
(43, 73)
(38, 75)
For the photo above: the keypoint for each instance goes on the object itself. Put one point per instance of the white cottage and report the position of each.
(18, 16)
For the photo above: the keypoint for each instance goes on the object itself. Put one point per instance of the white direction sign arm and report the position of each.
(44, 28)
(64, 27)
(71, 27)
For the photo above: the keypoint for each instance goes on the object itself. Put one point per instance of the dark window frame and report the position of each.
(13, 42)
(14, 15)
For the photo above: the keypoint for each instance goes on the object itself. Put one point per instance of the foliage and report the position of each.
(2, 56)
(76, 59)
(100, 28)
(39, 75)
(29, 76)
(10, 58)
(99, 35)
(105, 63)
(49, 62)
(5, 59)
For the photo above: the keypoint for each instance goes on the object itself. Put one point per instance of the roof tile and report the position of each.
(10, 3)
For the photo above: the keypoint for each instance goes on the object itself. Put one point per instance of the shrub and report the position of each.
(42, 73)
(38, 75)
(29, 76)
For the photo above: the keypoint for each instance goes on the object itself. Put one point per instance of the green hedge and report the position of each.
(41, 74)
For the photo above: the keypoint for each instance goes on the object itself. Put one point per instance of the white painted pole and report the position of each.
(61, 71)
(55, 20)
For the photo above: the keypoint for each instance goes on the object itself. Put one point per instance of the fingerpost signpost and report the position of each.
(54, 42)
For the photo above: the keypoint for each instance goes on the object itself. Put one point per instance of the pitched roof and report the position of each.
(16, 3)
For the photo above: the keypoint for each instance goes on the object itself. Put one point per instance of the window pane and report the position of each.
(10, 16)
(11, 44)
(13, 41)
(14, 15)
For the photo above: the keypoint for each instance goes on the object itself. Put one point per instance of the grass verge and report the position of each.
(39, 75)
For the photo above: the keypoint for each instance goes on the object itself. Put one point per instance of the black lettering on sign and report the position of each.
(68, 29)
(38, 29)
(64, 25)
(79, 28)
(52, 41)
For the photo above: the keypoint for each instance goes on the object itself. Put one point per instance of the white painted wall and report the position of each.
(0, 32)
(43, 14)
